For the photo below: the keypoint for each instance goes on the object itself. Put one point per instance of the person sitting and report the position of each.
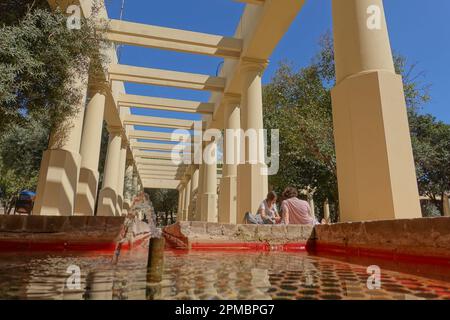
(294, 210)
(268, 209)
(267, 212)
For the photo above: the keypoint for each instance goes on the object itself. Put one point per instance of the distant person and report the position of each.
(268, 209)
(294, 210)
(267, 212)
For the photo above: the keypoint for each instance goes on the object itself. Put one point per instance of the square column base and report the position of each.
(375, 165)
(57, 185)
(446, 206)
(184, 215)
(252, 188)
(107, 202)
(228, 200)
(86, 192)
(192, 216)
(209, 208)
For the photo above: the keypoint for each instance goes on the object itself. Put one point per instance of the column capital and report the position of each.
(253, 64)
(125, 141)
(231, 98)
(116, 130)
(98, 85)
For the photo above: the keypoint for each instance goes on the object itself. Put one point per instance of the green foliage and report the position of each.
(20, 156)
(431, 146)
(39, 60)
(299, 105)
(429, 209)
(163, 200)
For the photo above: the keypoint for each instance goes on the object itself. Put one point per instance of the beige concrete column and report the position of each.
(200, 192)
(375, 167)
(60, 164)
(180, 202)
(90, 151)
(326, 210)
(446, 205)
(209, 198)
(128, 186)
(194, 189)
(135, 182)
(121, 177)
(252, 184)
(228, 183)
(181, 209)
(187, 198)
(107, 200)
(312, 205)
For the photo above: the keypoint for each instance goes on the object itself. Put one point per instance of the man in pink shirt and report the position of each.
(294, 210)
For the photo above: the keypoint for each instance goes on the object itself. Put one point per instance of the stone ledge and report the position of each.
(424, 237)
(189, 232)
(421, 237)
(59, 228)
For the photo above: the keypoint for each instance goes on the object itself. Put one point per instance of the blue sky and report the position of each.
(418, 29)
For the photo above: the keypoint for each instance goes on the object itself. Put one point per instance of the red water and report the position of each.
(210, 275)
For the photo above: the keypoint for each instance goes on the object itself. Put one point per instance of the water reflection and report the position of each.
(205, 276)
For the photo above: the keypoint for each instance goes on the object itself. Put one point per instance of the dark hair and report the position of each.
(271, 196)
(290, 192)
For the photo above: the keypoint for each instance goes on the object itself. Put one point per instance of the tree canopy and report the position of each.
(39, 58)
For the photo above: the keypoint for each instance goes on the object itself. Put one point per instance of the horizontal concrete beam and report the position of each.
(157, 146)
(152, 135)
(161, 176)
(152, 168)
(258, 2)
(128, 100)
(167, 78)
(150, 36)
(159, 162)
(131, 119)
(160, 183)
(153, 155)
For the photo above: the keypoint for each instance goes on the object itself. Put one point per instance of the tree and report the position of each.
(20, 156)
(299, 105)
(39, 58)
(431, 146)
(163, 200)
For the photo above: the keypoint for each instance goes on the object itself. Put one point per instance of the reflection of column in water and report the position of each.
(260, 283)
(137, 287)
(210, 281)
(71, 293)
(99, 285)
(311, 272)
(121, 286)
(233, 293)
(43, 284)
(166, 289)
(191, 289)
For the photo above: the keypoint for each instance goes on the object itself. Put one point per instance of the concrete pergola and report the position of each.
(376, 172)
